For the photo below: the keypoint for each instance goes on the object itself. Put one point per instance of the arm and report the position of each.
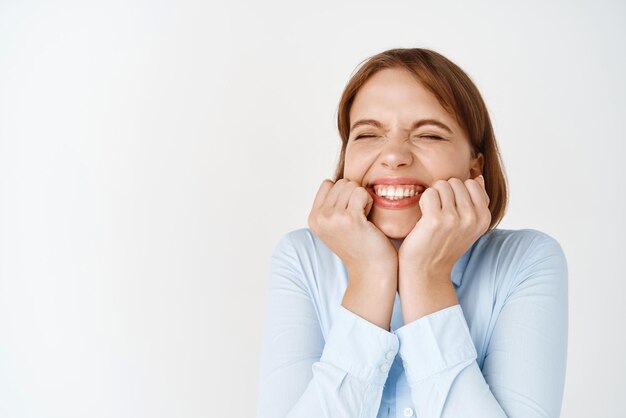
(301, 374)
(524, 370)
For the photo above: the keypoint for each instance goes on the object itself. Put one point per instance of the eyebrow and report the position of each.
(416, 124)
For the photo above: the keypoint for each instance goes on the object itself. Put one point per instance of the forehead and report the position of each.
(395, 93)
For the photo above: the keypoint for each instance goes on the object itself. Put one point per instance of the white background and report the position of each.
(153, 153)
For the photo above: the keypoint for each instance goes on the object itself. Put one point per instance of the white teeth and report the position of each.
(396, 193)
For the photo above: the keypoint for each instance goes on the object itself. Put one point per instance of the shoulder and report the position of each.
(300, 241)
(303, 247)
(517, 237)
(523, 252)
(302, 261)
(521, 243)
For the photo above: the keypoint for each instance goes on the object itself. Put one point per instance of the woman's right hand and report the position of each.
(339, 219)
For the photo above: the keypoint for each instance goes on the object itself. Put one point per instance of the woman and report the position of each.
(403, 298)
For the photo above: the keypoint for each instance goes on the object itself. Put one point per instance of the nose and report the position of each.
(396, 152)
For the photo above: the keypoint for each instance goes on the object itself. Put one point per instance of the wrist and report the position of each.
(382, 270)
(371, 301)
(425, 272)
(376, 281)
(425, 285)
(419, 299)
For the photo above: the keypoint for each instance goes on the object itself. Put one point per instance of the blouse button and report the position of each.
(385, 367)
(390, 355)
(408, 412)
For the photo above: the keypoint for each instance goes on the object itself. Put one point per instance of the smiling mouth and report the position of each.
(395, 202)
(399, 192)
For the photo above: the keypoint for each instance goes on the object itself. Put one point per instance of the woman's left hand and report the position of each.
(454, 215)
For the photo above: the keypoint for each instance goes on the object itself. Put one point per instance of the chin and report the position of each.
(397, 228)
(395, 232)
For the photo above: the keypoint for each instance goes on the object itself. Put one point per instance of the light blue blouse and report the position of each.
(501, 352)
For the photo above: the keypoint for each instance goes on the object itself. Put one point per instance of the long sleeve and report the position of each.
(523, 374)
(302, 375)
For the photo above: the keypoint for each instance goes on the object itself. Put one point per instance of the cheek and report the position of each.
(355, 164)
(446, 166)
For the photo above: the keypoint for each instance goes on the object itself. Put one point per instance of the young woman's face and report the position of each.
(397, 148)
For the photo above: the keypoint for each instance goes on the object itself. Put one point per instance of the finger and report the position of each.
(482, 182)
(481, 179)
(477, 193)
(429, 203)
(481, 201)
(461, 195)
(322, 193)
(369, 205)
(360, 203)
(446, 195)
(345, 193)
(333, 194)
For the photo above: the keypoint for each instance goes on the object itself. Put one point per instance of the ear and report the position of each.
(476, 165)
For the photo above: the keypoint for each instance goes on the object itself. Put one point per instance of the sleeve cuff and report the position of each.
(434, 343)
(359, 347)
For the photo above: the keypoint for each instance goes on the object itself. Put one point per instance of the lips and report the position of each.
(393, 181)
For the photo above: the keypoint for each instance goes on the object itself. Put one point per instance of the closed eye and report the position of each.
(433, 137)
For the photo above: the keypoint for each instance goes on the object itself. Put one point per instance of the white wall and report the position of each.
(153, 153)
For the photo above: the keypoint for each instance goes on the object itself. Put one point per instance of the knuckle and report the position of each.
(351, 222)
(435, 222)
(326, 213)
(436, 225)
(340, 217)
(326, 183)
(469, 221)
(466, 204)
(341, 220)
(360, 191)
(450, 220)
